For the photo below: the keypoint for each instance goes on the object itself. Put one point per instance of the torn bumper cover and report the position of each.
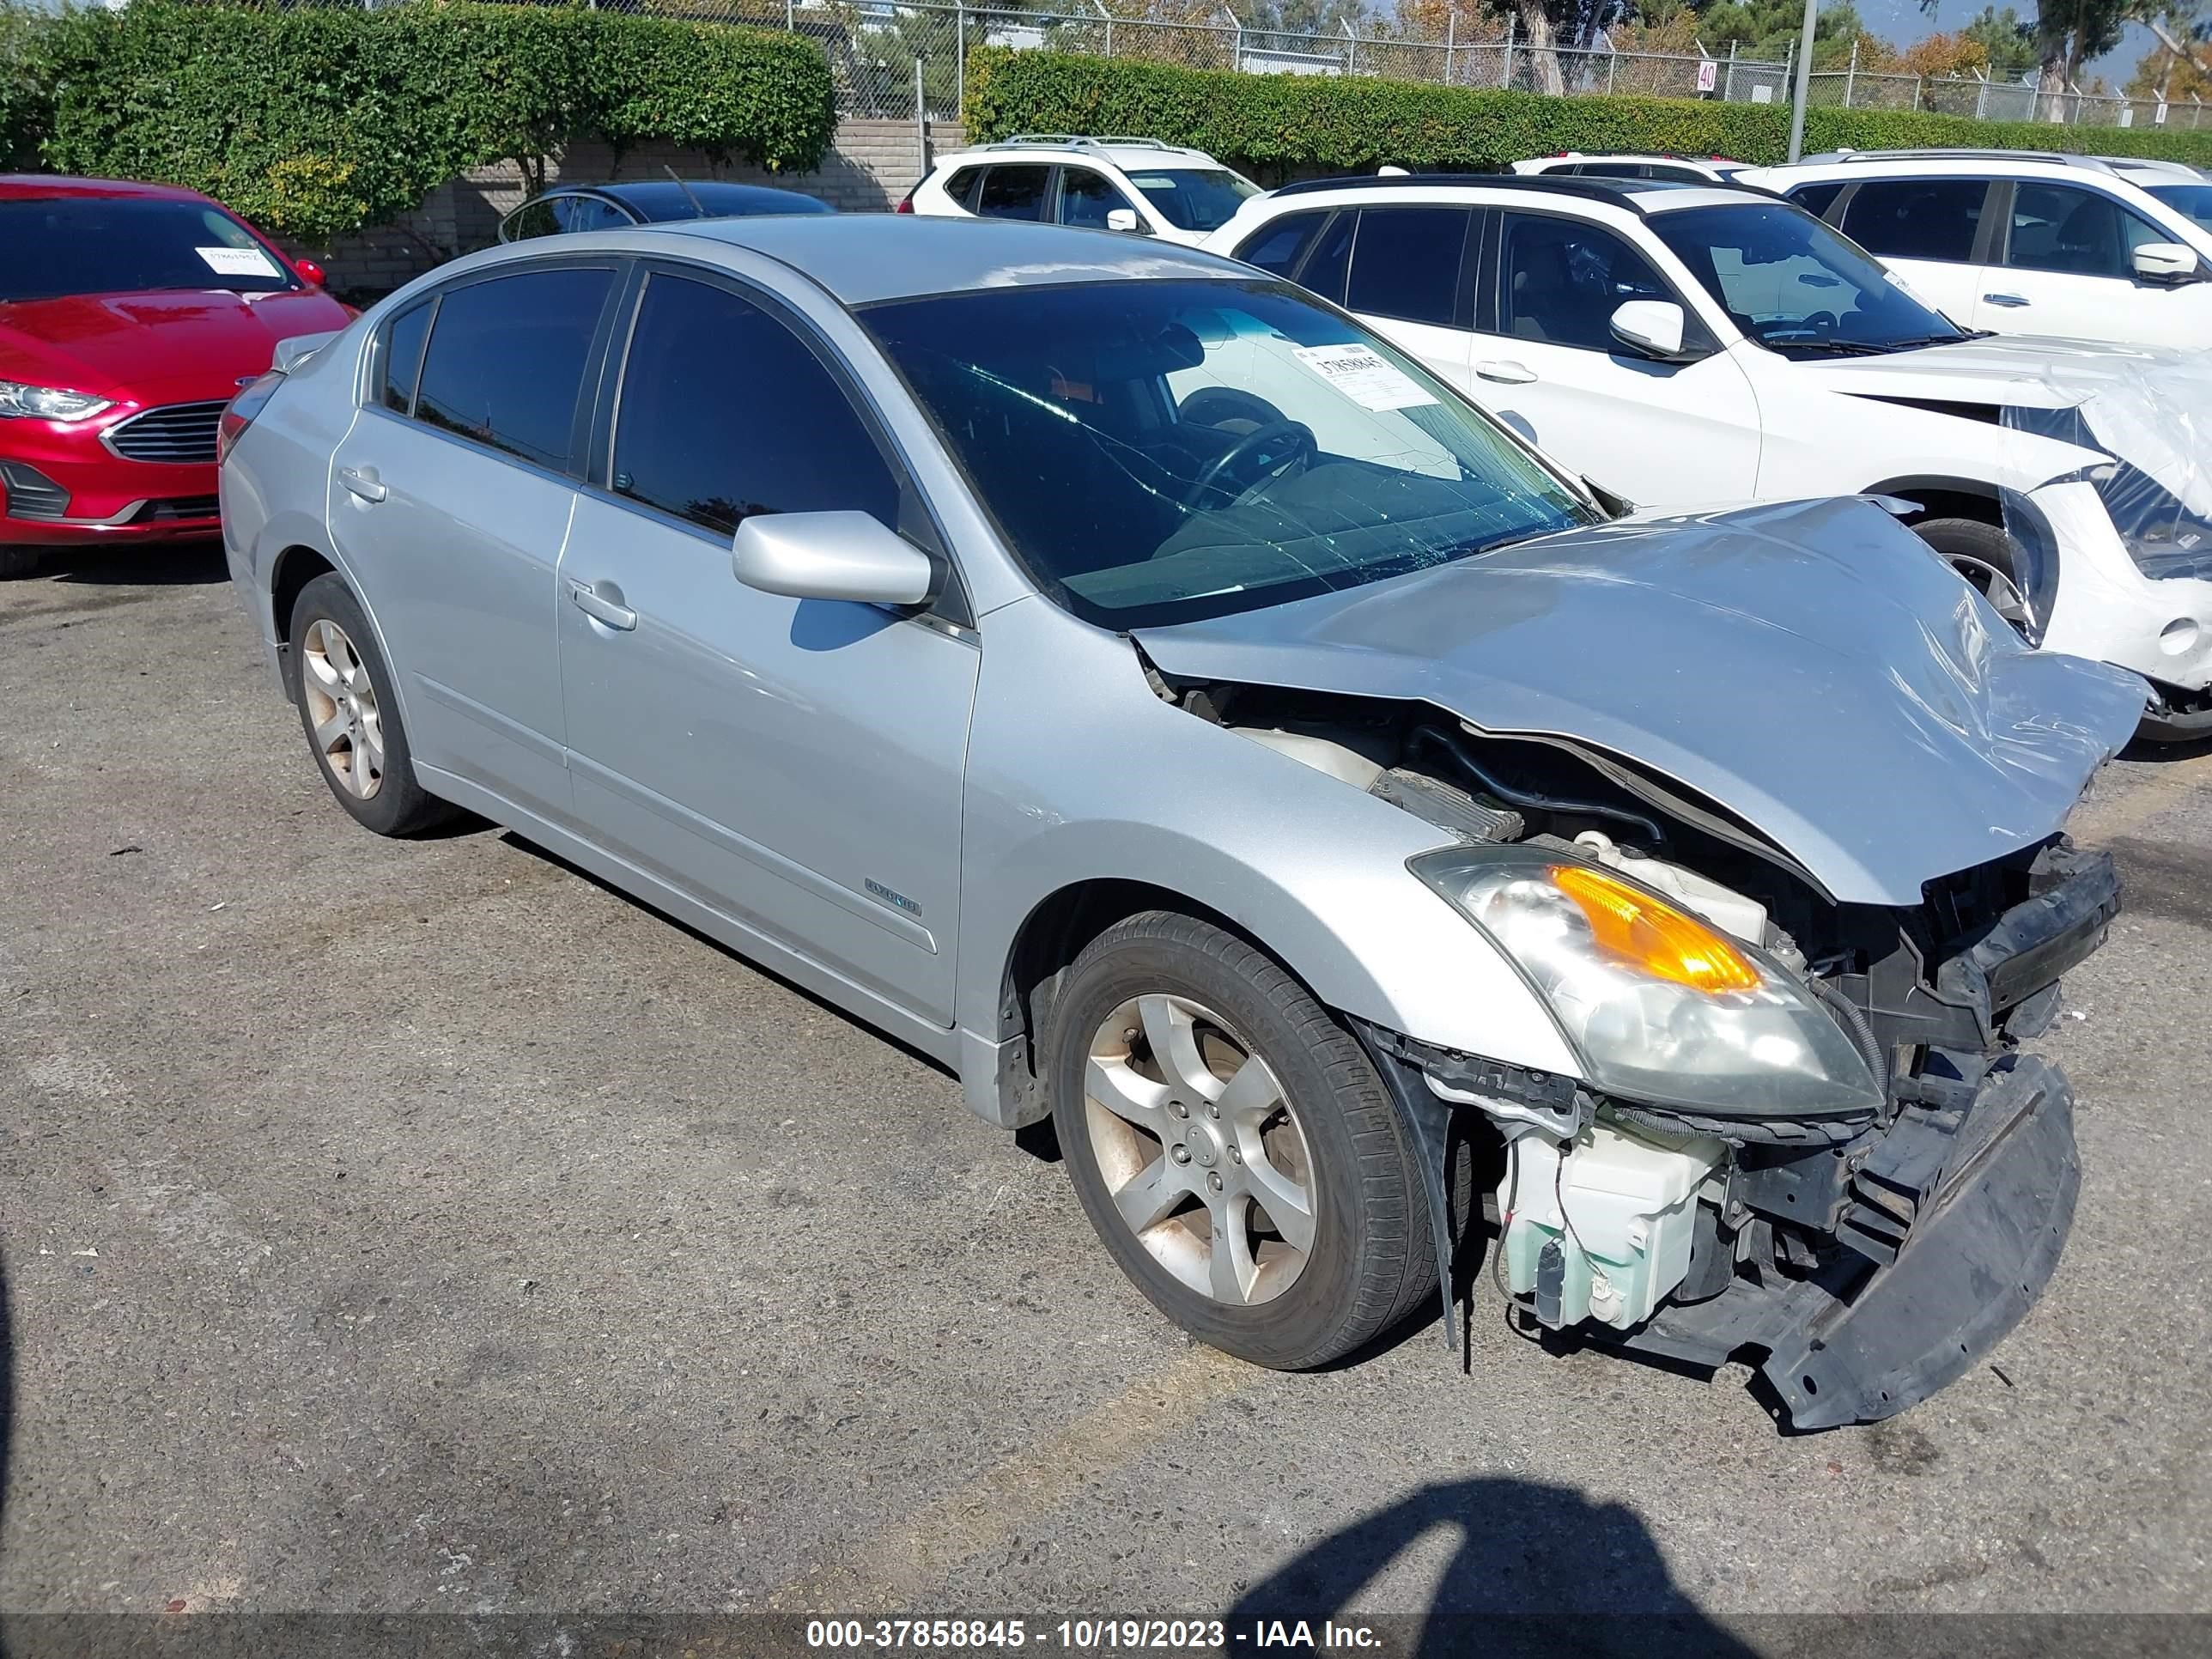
(1957, 1224)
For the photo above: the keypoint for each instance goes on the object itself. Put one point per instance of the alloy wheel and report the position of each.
(1201, 1154)
(341, 707)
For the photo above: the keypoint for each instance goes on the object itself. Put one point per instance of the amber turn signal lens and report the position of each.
(1632, 927)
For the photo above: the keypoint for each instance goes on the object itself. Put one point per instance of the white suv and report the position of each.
(2076, 246)
(1684, 346)
(1100, 184)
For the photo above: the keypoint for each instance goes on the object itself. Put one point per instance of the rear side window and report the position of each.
(507, 361)
(402, 357)
(961, 185)
(1917, 218)
(1275, 247)
(726, 413)
(1014, 192)
(1817, 199)
(1561, 280)
(1630, 170)
(1406, 263)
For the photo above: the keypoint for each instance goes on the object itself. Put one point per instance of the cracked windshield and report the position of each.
(1160, 451)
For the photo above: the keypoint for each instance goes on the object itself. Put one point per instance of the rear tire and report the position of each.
(343, 686)
(18, 561)
(1266, 1104)
(1987, 556)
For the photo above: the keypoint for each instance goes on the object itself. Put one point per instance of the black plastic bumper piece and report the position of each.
(1981, 1243)
(1969, 1270)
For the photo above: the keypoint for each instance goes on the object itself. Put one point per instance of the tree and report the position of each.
(1770, 29)
(2164, 73)
(2069, 33)
(2008, 42)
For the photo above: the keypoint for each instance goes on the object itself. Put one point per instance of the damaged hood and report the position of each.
(1993, 370)
(1808, 665)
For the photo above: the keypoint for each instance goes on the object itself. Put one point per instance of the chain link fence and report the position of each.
(894, 57)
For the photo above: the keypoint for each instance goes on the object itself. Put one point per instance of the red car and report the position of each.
(129, 315)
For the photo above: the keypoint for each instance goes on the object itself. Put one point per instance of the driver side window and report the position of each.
(2078, 231)
(1559, 281)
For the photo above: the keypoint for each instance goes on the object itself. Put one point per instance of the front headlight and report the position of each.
(1658, 1005)
(46, 403)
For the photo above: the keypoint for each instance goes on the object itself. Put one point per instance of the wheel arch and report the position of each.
(1045, 945)
(295, 566)
(1376, 945)
(1938, 496)
(301, 558)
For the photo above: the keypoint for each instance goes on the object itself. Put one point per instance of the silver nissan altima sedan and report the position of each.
(1128, 680)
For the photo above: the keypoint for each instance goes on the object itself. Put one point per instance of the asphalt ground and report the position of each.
(425, 1227)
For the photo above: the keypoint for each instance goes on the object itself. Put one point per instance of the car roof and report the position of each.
(670, 199)
(1122, 152)
(862, 258)
(1637, 195)
(23, 187)
(2001, 163)
(1572, 156)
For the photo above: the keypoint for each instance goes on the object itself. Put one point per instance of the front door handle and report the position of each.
(1506, 373)
(598, 607)
(2010, 302)
(363, 481)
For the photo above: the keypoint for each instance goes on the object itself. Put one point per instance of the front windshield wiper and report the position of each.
(1830, 348)
(1872, 348)
(1941, 339)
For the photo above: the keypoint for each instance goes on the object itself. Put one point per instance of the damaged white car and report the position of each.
(1132, 682)
(1685, 345)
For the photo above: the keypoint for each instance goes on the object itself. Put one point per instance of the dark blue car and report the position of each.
(645, 202)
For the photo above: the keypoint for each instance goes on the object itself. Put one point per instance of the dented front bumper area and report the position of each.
(1953, 1226)
(1860, 1262)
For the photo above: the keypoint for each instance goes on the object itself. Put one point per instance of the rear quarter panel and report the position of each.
(274, 483)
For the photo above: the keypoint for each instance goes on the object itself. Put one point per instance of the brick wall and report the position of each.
(870, 166)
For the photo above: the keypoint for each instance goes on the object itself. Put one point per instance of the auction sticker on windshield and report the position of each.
(1362, 375)
(238, 262)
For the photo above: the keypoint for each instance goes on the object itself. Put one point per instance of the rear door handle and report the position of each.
(363, 481)
(2009, 300)
(598, 607)
(1506, 373)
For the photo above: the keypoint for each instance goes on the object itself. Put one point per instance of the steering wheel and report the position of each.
(1814, 326)
(1274, 446)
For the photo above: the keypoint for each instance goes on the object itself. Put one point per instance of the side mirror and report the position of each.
(1123, 219)
(1650, 328)
(310, 272)
(830, 556)
(2165, 262)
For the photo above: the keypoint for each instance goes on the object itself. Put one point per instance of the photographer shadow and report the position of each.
(1535, 1571)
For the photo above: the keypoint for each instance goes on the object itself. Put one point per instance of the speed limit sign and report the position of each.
(1709, 74)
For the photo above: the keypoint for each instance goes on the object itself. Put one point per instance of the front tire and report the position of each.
(1987, 556)
(1233, 1146)
(342, 684)
(20, 561)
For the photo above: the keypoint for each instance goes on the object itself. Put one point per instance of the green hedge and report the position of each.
(313, 122)
(1279, 126)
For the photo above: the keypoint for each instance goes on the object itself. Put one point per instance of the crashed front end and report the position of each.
(1793, 942)
(1868, 1255)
